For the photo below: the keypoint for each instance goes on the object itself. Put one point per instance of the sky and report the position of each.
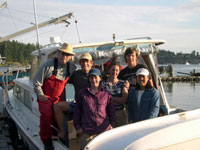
(176, 21)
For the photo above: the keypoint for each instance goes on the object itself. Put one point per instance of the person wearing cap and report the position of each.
(79, 80)
(80, 77)
(49, 84)
(94, 111)
(143, 100)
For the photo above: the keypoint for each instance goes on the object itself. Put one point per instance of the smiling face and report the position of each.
(86, 65)
(131, 59)
(63, 58)
(94, 81)
(114, 71)
(142, 81)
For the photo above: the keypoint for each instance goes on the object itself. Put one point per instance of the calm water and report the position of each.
(185, 95)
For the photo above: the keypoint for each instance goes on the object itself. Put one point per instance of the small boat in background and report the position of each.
(187, 63)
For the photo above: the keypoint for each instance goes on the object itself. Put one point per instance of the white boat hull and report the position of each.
(27, 124)
(176, 131)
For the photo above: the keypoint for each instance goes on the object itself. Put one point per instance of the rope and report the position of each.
(12, 18)
(77, 31)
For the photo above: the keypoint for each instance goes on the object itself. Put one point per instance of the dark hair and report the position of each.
(131, 50)
(114, 63)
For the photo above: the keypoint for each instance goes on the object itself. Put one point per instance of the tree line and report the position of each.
(15, 51)
(166, 57)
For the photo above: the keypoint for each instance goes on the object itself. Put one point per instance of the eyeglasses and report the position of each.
(65, 54)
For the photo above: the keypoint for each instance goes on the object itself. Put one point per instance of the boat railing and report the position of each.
(5, 86)
(6, 81)
(10, 71)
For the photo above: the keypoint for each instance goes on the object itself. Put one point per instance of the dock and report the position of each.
(181, 79)
(5, 140)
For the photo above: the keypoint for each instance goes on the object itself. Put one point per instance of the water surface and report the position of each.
(185, 95)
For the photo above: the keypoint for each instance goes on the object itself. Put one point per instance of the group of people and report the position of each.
(100, 104)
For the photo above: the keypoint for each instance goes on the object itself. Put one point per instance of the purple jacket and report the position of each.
(93, 113)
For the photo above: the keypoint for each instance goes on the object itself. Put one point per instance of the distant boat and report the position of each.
(187, 63)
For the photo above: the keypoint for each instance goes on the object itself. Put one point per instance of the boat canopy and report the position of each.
(117, 48)
(100, 50)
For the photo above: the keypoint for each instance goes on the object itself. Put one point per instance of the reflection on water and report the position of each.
(185, 95)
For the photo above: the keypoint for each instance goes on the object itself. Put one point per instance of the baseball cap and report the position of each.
(86, 56)
(142, 71)
(94, 71)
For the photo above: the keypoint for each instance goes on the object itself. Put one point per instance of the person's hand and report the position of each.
(80, 131)
(126, 84)
(126, 87)
(42, 98)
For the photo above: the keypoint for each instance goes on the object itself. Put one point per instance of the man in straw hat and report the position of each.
(79, 79)
(49, 84)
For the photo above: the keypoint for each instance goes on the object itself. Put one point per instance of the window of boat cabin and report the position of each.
(22, 95)
(27, 99)
(70, 93)
(17, 91)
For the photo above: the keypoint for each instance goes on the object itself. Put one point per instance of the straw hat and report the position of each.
(67, 48)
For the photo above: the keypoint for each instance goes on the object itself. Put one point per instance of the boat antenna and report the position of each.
(5, 4)
(77, 31)
(36, 24)
(113, 36)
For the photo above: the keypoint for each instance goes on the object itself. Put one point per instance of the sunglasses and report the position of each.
(65, 54)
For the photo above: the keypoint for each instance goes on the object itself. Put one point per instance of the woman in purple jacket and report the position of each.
(94, 111)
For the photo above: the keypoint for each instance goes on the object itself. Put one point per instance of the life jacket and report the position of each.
(54, 88)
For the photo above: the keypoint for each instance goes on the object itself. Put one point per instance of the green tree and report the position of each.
(15, 51)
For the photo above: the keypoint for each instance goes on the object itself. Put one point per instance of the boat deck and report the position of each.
(191, 144)
(74, 144)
